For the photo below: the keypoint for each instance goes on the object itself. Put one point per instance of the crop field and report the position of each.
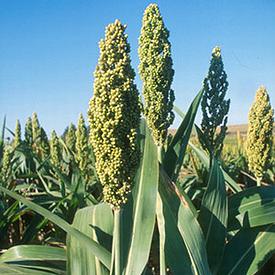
(122, 193)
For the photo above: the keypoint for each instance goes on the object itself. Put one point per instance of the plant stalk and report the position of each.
(160, 156)
(117, 241)
(259, 181)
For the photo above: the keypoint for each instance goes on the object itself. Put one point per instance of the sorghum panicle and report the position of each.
(259, 135)
(114, 116)
(214, 106)
(156, 73)
(17, 134)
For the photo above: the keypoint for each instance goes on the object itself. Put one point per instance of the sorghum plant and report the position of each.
(82, 147)
(259, 135)
(70, 137)
(55, 150)
(44, 145)
(6, 167)
(17, 134)
(35, 129)
(28, 131)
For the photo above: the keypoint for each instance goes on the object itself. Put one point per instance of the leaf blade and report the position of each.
(144, 209)
(174, 155)
(213, 215)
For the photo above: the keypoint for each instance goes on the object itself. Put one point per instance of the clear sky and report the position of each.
(49, 49)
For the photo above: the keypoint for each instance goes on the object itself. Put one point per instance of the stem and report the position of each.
(259, 181)
(211, 156)
(160, 156)
(117, 241)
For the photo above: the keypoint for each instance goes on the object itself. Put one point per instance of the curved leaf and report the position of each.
(32, 253)
(39, 257)
(95, 222)
(252, 207)
(9, 269)
(173, 158)
(248, 250)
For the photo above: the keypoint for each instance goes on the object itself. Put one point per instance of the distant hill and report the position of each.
(242, 128)
(232, 129)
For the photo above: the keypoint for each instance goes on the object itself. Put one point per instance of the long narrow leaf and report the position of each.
(33, 252)
(144, 208)
(39, 257)
(213, 216)
(184, 243)
(248, 251)
(173, 158)
(97, 223)
(8, 269)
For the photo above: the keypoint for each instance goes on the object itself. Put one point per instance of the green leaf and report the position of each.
(30, 257)
(32, 253)
(205, 160)
(252, 207)
(180, 233)
(97, 223)
(100, 252)
(213, 216)
(9, 269)
(145, 195)
(173, 158)
(248, 250)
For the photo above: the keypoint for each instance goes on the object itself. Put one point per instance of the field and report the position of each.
(122, 193)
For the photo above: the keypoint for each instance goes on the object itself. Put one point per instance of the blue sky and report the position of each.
(49, 49)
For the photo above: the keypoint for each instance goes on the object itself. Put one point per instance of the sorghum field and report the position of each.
(123, 193)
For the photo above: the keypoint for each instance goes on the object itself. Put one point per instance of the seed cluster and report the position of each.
(55, 150)
(156, 73)
(114, 116)
(82, 147)
(259, 135)
(35, 129)
(17, 134)
(6, 168)
(214, 106)
(28, 131)
(70, 137)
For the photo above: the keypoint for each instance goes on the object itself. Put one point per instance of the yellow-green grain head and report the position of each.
(44, 145)
(17, 134)
(6, 167)
(214, 105)
(55, 150)
(35, 129)
(70, 137)
(259, 135)
(156, 73)
(82, 146)
(28, 131)
(114, 116)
